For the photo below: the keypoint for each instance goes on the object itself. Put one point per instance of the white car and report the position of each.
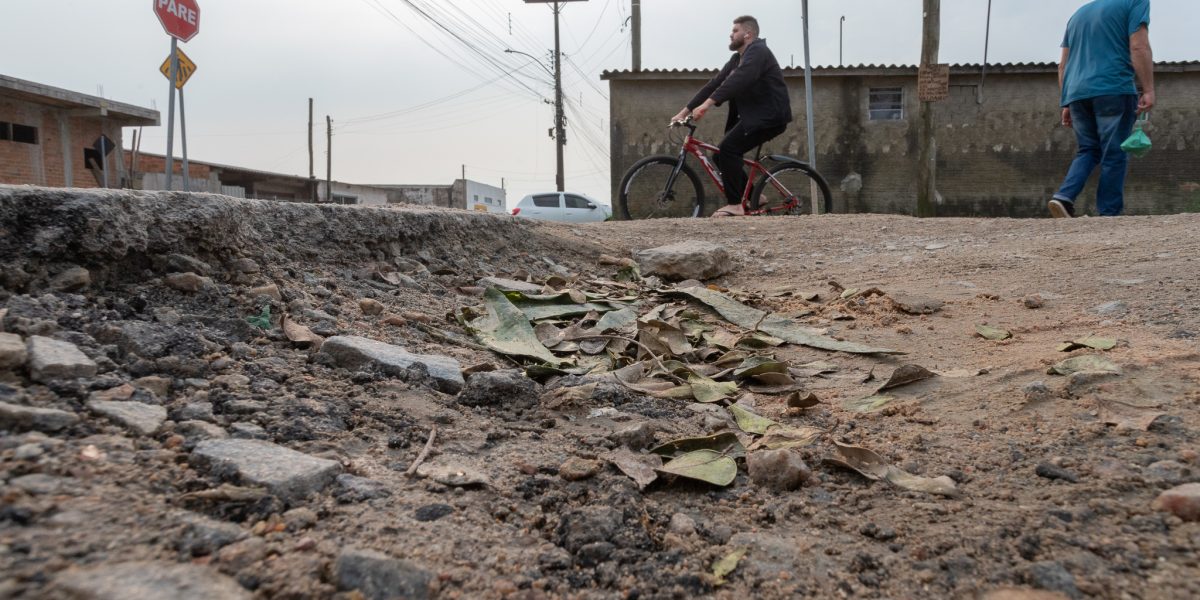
(561, 206)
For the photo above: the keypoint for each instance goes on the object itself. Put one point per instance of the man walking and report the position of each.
(1106, 45)
(759, 108)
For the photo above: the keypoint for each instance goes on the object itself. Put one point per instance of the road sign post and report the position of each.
(181, 20)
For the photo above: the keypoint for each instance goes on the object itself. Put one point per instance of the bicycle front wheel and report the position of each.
(652, 189)
(788, 189)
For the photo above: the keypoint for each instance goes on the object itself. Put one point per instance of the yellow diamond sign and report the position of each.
(186, 68)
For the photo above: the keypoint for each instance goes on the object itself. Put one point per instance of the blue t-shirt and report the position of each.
(1098, 59)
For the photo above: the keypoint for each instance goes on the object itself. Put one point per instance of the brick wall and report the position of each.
(44, 163)
(1004, 157)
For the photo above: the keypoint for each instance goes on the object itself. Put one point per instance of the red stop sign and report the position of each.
(181, 18)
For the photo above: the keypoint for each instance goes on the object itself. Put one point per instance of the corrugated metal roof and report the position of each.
(849, 70)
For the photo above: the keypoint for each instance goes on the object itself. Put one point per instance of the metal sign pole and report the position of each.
(187, 184)
(808, 106)
(171, 112)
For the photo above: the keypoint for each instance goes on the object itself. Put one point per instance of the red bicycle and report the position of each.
(653, 187)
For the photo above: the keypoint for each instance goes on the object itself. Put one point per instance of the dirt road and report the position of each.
(253, 465)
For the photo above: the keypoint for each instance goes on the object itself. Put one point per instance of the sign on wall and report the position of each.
(933, 83)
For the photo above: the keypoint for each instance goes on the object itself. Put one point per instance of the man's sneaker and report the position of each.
(1061, 209)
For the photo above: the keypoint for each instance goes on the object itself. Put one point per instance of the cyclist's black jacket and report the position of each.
(753, 84)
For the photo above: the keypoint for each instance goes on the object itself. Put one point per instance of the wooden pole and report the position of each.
(312, 176)
(329, 159)
(635, 24)
(927, 156)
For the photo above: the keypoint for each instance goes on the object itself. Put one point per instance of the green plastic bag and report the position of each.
(1138, 144)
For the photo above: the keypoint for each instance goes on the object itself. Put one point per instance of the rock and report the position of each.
(198, 431)
(394, 320)
(240, 555)
(779, 470)
(51, 359)
(181, 263)
(432, 512)
(41, 483)
(916, 305)
(194, 411)
(159, 386)
(21, 418)
(1182, 501)
(286, 473)
(187, 282)
(1113, 308)
(682, 525)
(453, 475)
(637, 436)
(1053, 576)
(508, 388)
(71, 280)
(202, 536)
(594, 553)
(12, 351)
(354, 353)
(378, 576)
(1051, 471)
(595, 523)
(247, 431)
(1170, 471)
(1023, 594)
(246, 265)
(269, 290)
(155, 340)
(578, 469)
(691, 259)
(370, 307)
(352, 488)
(509, 285)
(1033, 301)
(300, 518)
(1036, 391)
(148, 581)
(144, 419)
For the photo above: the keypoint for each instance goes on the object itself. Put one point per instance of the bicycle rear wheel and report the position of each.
(648, 192)
(787, 189)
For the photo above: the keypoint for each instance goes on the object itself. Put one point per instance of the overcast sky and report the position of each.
(411, 103)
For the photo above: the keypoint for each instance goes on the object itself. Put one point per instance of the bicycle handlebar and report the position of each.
(686, 122)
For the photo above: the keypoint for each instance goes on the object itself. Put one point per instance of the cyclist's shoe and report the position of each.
(1061, 209)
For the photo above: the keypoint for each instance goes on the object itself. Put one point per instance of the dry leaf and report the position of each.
(641, 468)
(906, 374)
(300, 335)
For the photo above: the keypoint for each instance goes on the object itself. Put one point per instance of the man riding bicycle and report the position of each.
(759, 107)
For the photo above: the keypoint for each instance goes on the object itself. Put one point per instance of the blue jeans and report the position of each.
(1101, 124)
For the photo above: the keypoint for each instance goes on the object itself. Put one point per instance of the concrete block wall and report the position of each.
(1002, 157)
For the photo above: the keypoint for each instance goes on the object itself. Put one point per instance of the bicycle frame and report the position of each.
(698, 149)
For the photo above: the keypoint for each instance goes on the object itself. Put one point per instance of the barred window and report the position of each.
(886, 104)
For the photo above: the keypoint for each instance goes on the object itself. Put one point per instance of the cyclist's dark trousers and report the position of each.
(736, 144)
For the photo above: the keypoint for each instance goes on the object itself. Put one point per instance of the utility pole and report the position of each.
(328, 159)
(560, 135)
(927, 157)
(312, 177)
(635, 24)
(560, 121)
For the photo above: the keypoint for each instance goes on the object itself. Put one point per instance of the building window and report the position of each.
(886, 104)
(342, 199)
(22, 134)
